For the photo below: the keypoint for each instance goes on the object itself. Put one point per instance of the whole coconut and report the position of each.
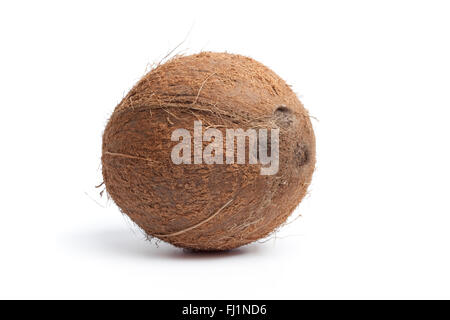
(206, 206)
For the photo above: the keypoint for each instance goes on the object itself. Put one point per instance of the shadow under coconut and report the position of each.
(126, 242)
(199, 255)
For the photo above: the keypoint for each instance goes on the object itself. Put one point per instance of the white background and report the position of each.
(376, 74)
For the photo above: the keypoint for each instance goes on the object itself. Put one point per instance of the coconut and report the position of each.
(199, 205)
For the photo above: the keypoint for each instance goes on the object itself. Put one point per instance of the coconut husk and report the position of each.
(206, 206)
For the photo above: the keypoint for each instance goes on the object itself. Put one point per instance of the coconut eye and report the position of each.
(302, 154)
(283, 116)
(282, 109)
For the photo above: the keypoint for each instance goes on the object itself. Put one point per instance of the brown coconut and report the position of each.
(206, 206)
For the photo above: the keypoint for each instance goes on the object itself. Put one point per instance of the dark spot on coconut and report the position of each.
(282, 109)
(283, 116)
(301, 154)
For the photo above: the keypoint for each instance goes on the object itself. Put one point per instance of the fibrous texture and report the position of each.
(206, 206)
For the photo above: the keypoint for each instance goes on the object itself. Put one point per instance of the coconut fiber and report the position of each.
(206, 206)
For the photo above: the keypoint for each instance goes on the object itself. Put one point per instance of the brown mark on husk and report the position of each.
(203, 206)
